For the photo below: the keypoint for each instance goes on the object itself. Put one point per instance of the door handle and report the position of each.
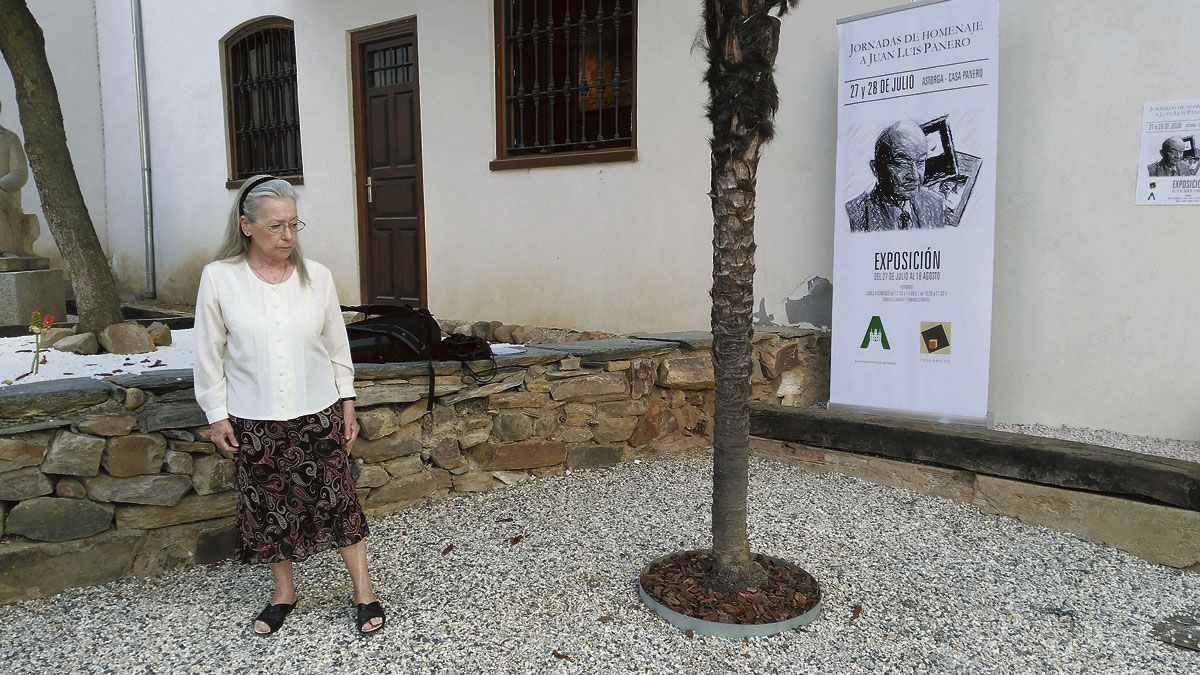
(370, 189)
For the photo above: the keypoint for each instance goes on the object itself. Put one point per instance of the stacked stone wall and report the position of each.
(104, 478)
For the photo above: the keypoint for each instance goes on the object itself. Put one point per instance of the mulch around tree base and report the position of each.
(678, 583)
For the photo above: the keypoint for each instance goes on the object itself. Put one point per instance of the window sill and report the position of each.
(565, 159)
(237, 184)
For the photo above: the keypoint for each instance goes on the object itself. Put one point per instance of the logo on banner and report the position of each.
(875, 334)
(935, 337)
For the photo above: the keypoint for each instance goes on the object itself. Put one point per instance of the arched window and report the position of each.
(260, 89)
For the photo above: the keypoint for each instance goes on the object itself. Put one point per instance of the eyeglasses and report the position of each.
(276, 228)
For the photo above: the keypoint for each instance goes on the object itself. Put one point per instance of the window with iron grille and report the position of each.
(264, 122)
(565, 81)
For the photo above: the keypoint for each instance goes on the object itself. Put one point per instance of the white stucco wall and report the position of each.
(1093, 312)
(188, 161)
(1095, 316)
(69, 29)
(122, 159)
(619, 246)
(1091, 320)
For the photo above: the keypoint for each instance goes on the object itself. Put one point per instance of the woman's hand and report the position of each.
(351, 422)
(222, 435)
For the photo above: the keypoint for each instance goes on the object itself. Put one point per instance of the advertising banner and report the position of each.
(915, 211)
(1169, 165)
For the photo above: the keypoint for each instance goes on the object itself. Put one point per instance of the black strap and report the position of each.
(366, 612)
(274, 615)
(484, 375)
(432, 345)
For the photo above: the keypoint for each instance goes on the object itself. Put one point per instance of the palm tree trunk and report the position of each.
(67, 217)
(732, 306)
(742, 41)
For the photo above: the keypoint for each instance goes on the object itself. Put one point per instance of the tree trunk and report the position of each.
(741, 42)
(67, 217)
(732, 306)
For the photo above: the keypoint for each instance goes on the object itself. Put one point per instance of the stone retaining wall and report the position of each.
(100, 479)
(1160, 534)
(1146, 505)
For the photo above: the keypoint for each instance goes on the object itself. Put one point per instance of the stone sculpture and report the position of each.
(18, 230)
(26, 281)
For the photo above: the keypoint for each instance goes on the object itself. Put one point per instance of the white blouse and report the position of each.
(269, 351)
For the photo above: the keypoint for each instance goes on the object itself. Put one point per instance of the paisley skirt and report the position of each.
(295, 491)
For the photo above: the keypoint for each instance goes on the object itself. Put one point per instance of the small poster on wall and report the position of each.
(1169, 167)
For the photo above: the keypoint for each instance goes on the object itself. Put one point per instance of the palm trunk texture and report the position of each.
(741, 43)
(67, 217)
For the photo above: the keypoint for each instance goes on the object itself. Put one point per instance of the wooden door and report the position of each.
(388, 134)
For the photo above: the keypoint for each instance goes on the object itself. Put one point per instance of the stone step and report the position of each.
(1033, 459)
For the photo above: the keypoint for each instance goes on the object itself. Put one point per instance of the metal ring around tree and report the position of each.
(729, 630)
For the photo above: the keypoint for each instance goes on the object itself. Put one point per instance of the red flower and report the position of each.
(48, 321)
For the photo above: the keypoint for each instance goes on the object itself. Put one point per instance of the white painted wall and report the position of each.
(69, 29)
(1094, 315)
(122, 160)
(187, 136)
(1095, 318)
(1091, 322)
(619, 246)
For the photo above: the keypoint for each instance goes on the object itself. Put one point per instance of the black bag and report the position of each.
(398, 334)
(464, 348)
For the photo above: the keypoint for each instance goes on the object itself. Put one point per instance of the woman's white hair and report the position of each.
(236, 243)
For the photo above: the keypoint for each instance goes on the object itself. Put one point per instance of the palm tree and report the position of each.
(741, 44)
(24, 50)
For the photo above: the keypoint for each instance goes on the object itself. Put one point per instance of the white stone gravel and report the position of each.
(60, 365)
(1149, 445)
(943, 588)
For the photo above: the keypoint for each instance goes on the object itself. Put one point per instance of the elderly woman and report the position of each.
(274, 376)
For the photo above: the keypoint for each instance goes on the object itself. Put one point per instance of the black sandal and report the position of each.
(273, 616)
(366, 612)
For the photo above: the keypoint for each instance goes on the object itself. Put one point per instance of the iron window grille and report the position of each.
(567, 81)
(391, 66)
(264, 120)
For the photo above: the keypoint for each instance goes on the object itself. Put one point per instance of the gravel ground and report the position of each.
(1149, 445)
(943, 588)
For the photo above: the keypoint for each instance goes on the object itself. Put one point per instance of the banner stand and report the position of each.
(889, 10)
(915, 211)
(977, 422)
